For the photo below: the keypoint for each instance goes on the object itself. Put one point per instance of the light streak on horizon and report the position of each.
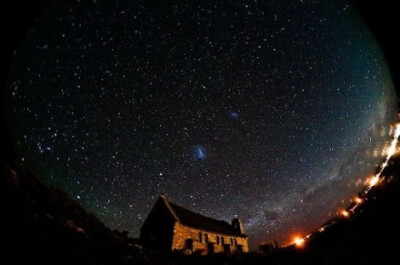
(370, 182)
(344, 213)
(298, 241)
(389, 153)
(358, 200)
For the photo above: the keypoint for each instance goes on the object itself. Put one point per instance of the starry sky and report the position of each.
(270, 111)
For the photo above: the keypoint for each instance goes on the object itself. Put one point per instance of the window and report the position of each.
(200, 237)
(206, 238)
(231, 241)
(222, 240)
(217, 240)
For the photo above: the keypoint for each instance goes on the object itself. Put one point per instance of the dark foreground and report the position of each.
(44, 225)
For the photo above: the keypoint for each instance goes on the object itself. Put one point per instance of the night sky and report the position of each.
(270, 111)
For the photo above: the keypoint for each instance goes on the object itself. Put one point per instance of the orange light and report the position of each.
(373, 181)
(344, 213)
(298, 241)
(358, 200)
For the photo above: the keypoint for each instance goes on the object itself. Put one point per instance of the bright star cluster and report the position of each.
(268, 111)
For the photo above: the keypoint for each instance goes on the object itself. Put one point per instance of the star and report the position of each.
(233, 110)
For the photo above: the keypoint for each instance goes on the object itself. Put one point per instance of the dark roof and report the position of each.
(195, 220)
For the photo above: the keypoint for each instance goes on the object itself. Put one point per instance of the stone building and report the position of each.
(170, 227)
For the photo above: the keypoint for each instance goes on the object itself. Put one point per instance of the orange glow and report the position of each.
(385, 151)
(298, 241)
(358, 200)
(372, 181)
(344, 213)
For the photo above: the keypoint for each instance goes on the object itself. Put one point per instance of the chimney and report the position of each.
(238, 226)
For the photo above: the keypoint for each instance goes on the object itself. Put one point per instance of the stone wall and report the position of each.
(185, 236)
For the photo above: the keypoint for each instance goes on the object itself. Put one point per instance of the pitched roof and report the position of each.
(195, 220)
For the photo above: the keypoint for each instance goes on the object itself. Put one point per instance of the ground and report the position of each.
(46, 225)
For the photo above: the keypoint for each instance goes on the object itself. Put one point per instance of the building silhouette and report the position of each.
(170, 228)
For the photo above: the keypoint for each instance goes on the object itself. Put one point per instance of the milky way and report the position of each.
(269, 111)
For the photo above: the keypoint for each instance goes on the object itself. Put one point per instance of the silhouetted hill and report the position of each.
(371, 235)
(40, 224)
(46, 225)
